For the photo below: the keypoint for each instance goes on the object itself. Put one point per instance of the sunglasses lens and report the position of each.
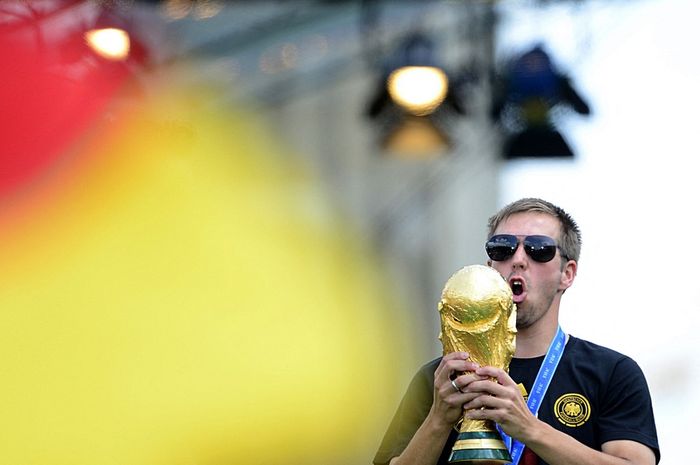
(501, 247)
(540, 248)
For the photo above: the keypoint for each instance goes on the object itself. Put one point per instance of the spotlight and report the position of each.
(116, 35)
(525, 98)
(418, 89)
(109, 43)
(413, 100)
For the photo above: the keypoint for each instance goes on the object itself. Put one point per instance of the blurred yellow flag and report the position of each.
(178, 292)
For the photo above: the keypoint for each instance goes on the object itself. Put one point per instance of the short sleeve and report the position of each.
(626, 410)
(412, 411)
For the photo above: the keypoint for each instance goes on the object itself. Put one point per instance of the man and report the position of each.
(597, 409)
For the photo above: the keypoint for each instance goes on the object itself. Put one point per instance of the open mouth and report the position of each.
(517, 285)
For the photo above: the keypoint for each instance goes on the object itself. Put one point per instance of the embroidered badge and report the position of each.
(572, 409)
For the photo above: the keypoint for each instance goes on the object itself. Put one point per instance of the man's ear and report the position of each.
(568, 274)
(488, 263)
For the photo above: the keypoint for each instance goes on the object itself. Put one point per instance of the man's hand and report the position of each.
(448, 402)
(499, 401)
(427, 444)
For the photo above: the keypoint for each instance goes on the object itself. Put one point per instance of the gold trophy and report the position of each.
(477, 316)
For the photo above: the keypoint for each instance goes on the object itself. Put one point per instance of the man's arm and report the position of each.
(427, 444)
(429, 440)
(503, 403)
(557, 448)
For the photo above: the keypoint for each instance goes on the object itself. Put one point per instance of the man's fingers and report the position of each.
(486, 386)
(501, 376)
(483, 401)
(455, 356)
(464, 380)
(442, 369)
(455, 362)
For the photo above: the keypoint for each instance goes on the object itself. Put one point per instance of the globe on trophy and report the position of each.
(477, 316)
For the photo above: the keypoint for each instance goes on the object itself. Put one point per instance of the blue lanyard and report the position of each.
(539, 388)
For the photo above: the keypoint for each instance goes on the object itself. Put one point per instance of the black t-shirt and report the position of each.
(596, 395)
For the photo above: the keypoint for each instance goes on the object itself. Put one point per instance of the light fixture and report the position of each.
(413, 101)
(109, 43)
(525, 97)
(418, 89)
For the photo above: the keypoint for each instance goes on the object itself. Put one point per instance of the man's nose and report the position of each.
(520, 258)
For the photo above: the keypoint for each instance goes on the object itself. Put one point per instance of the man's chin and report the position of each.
(522, 323)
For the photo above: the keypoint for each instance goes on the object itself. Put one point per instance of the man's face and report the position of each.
(537, 287)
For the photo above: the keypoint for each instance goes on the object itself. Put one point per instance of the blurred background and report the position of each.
(225, 226)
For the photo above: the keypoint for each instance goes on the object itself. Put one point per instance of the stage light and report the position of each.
(109, 43)
(418, 89)
(524, 99)
(414, 101)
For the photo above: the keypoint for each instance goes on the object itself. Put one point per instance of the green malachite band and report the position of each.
(465, 451)
(466, 455)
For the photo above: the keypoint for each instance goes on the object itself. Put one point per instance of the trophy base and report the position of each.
(480, 447)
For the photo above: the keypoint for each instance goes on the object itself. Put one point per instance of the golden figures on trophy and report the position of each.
(477, 316)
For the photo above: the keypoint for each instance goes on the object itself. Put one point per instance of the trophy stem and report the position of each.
(480, 447)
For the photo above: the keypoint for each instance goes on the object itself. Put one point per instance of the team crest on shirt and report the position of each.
(572, 409)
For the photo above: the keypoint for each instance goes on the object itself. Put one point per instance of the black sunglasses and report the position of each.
(503, 246)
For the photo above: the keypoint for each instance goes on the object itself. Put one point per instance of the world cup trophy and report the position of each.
(477, 316)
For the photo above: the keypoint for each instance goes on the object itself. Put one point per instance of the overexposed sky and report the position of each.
(633, 188)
